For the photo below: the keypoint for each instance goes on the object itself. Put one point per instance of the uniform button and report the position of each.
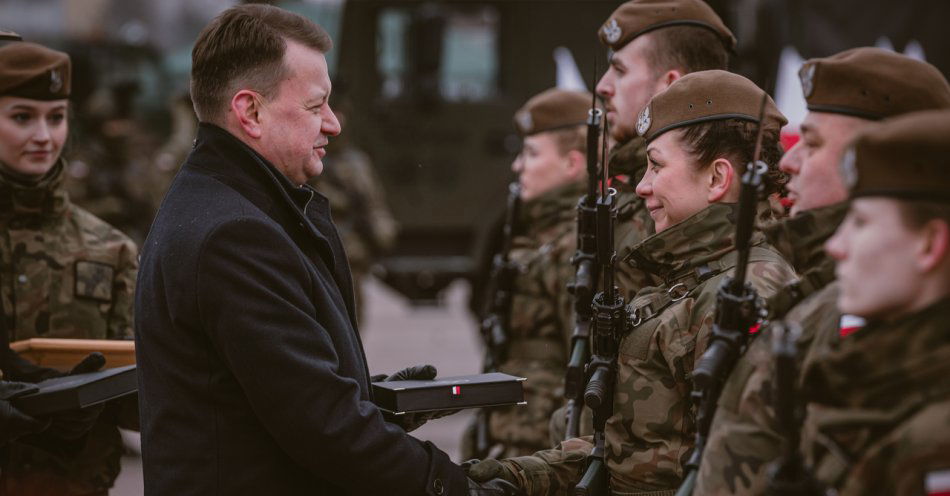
(438, 486)
(21, 278)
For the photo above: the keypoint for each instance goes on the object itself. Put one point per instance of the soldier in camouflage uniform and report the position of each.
(696, 153)
(65, 273)
(649, 47)
(878, 400)
(745, 434)
(358, 203)
(552, 172)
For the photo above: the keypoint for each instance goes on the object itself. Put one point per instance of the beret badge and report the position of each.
(644, 121)
(525, 122)
(807, 75)
(848, 170)
(55, 80)
(612, 31)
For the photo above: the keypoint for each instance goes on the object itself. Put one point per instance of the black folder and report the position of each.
(78, 391)
(449, 393)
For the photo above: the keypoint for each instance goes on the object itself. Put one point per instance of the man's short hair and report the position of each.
(244, 48)
(686, 48)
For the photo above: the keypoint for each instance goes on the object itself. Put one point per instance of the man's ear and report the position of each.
(667, 78)
(935, 245)
(721, 179)
(246, 105)
(576, 164)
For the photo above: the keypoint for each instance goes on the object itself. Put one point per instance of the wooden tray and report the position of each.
(63, 354)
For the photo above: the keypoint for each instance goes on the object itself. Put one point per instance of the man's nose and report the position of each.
(791, 160)
(331, 125)
(604, 87)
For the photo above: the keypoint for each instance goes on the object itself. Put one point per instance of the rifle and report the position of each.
(738, 308)
(494, 326)
(788, 475)
(586, 277)
(609, 325)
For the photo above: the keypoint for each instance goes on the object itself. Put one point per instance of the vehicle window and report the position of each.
(467, 58)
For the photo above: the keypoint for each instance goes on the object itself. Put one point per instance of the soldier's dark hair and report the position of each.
(687, 48)
(244, 48)
(917, 213)
(734, 139)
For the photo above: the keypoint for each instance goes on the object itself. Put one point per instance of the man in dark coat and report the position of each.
(252, 375)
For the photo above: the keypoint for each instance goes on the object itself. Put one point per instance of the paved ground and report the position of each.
(395, 335)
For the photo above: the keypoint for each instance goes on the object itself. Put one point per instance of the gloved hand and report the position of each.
(487, 470)
(73, 424)
(494, 487)
(13, 422)
(412, 421)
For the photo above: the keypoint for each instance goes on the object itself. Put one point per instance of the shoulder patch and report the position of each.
(94, 280)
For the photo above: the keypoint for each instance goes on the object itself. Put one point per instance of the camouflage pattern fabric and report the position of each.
(366, 225)
(65, 274)
(745, 435)
(626, 164)
(541, 319)
(878, 415)
(650, 435)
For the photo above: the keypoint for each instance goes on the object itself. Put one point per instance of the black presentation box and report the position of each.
(449, 393)
(78, 391)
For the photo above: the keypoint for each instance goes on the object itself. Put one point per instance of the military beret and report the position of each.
(9, 36)
(706, 96)
(33, 71)
(872, 83)
(551, 110)
(637, 17)
(904, 157)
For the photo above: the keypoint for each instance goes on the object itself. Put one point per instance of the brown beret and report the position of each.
(9, 36)
(637, 17)
(904, 157)
(551, 110)
(33, 71)
(872, 83)
(706, 96)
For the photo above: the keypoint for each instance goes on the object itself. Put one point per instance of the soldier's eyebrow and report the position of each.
(319, 99)
(651, 152)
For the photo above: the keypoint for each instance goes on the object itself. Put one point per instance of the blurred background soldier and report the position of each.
(66, 274)
(552, 169)
(358, 205)
(844, 92)
(879, 400)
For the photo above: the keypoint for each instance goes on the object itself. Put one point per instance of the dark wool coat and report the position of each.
(252, 375)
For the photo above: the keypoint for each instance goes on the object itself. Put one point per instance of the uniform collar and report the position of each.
(553, 207)
(801, 239)
(43, 199)
(886, 364)
(702, 238)
(629, 159)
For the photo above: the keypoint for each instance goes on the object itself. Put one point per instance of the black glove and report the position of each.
(412, 421)
(13, 422)
(73, 424)
(494, 487)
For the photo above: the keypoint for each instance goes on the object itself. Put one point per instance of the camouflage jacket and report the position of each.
(650, 435)
(634, 224)
(745, 435)
(65, 274)
(541, 318)
(878, 415)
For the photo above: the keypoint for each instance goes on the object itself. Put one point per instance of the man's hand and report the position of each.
(486, 470)
(412, 421)
(494, 487)
(13, 422)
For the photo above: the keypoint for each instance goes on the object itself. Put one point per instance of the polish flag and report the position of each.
(937, 483)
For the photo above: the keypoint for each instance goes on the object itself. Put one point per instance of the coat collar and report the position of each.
(706, 236)
(44, 199)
